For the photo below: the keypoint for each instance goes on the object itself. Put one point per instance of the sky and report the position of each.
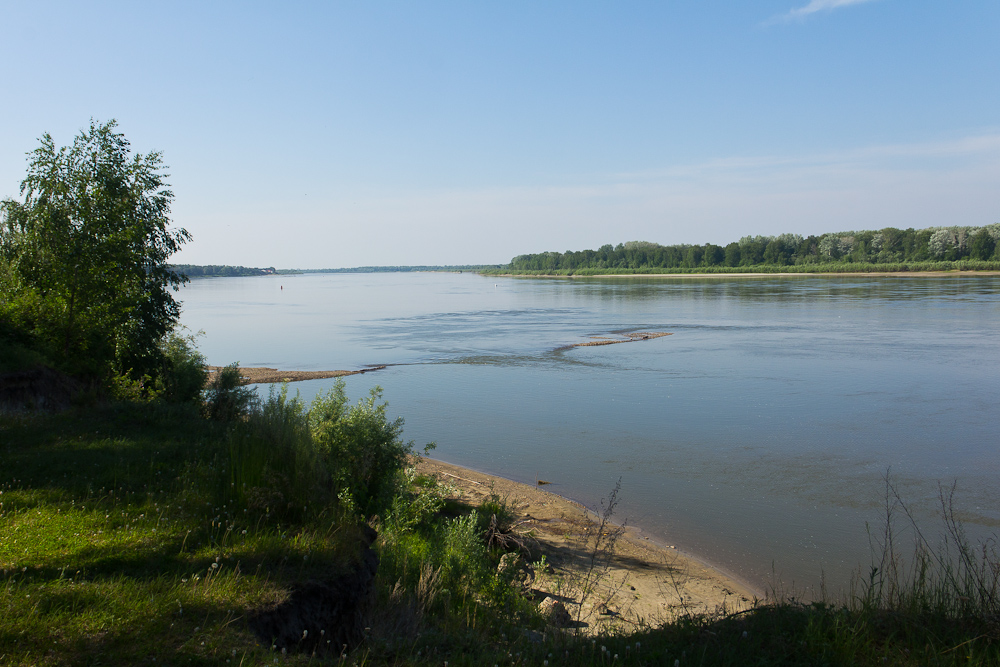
(339, 134)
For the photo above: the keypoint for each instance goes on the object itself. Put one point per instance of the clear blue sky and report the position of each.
(331, 134)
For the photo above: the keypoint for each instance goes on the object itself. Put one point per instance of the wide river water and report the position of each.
(757, 436)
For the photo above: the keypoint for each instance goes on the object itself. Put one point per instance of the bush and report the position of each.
(184, 373)
(226, 399)
(362, 448)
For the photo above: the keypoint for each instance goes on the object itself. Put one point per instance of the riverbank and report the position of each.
(645, 583)
(818, 274)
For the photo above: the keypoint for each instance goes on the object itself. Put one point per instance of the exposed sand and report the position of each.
(645, 583)
(266, 375)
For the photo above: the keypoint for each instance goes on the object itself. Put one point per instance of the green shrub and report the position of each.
(362, 448)
(184, 373)
(226, 399)
(417, 502)
(464, 561)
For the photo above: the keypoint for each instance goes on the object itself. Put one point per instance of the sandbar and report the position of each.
(263, 375)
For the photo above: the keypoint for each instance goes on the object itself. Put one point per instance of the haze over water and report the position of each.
(756, 436)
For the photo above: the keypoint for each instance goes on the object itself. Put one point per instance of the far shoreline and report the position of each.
(820, 274)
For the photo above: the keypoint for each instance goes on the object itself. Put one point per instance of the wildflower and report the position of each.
(305, 633)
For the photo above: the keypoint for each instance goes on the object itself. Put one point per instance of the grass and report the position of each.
(111, 547)
(120, 544)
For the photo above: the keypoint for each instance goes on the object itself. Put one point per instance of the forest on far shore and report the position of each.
(209, 270)
(890, 247)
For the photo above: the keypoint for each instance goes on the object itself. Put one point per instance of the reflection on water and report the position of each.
(756, 436)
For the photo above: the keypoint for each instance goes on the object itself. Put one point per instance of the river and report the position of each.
(756, 436)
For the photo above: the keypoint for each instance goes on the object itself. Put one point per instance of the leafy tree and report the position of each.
(713, 255)
(733, 254)
(83, 257)
(981, 245)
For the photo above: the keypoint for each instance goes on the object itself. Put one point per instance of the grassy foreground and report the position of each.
(147, 534)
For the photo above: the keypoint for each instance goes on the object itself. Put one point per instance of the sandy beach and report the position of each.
(643, 583)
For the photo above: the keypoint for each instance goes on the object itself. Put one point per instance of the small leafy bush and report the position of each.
(226, 399)
(184, 372)
(362, 448)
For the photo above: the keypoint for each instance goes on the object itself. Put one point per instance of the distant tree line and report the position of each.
(889, 247)
(404, 269)
(195, 271)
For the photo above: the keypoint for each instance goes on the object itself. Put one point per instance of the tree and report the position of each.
(981, 245)
(85, 255)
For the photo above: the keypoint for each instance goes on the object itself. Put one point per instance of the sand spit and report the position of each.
(259, 375)
(626, 338)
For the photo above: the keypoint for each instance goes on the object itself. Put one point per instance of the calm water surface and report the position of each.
(756, 436)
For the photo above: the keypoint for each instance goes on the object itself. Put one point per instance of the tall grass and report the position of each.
(952, 579)
(273, 467)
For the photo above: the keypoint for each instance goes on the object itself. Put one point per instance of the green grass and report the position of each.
(111, 548)
(119, 544)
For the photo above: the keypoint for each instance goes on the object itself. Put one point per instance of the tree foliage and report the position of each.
(83, 256)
